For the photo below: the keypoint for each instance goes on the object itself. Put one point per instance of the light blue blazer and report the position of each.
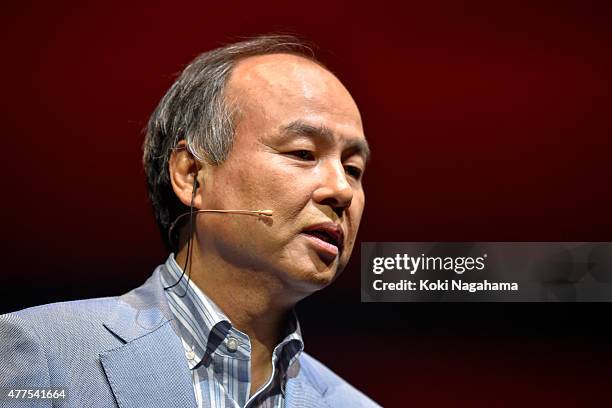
(124, 351)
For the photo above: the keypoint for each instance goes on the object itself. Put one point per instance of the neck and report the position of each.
(254, 301)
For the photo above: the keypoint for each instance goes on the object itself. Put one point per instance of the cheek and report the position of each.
(264, 182)
(357, 206)
(281, 186)
(355, 213)
(239, 185)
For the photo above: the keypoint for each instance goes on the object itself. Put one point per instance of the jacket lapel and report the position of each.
(149, 369)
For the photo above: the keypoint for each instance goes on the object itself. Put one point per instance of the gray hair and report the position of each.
(195, 110)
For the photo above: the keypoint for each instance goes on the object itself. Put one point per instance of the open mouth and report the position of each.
(324, 236)
(329, 235)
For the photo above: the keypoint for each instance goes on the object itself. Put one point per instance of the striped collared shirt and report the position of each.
(218, 354)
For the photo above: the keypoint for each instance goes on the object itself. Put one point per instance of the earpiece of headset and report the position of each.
(196, 183)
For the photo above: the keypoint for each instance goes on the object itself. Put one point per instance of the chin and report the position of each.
(315, 276)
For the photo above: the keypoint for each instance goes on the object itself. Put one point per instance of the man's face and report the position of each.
(300, 151)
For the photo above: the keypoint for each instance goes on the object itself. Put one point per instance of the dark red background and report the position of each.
(487, 121)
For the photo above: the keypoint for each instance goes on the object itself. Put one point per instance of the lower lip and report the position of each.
(322, 246)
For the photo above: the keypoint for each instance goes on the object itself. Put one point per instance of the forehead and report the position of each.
(282, 88)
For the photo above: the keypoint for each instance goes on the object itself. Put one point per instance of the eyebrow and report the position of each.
(302, 128)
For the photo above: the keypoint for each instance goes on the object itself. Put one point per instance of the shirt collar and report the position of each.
(205, 329)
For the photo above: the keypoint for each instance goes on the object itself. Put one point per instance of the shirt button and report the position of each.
(190, 355)
(232, 344)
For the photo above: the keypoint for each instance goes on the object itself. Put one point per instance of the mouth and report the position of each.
(327, 237)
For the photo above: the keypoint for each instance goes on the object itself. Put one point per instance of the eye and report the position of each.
(354, 171)
(302, 154)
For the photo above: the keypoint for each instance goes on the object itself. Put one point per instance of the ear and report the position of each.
(184, 169)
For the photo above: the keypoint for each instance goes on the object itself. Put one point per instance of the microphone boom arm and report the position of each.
(261, 213)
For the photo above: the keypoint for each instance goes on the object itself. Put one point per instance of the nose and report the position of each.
(334, 189)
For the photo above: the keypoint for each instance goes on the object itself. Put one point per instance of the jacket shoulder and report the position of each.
(76, 309)
(59, 329)
(23, 362)
(58, 345)
(64, 324)
(337, 391)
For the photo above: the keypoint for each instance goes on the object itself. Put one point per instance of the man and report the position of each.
(254, 160)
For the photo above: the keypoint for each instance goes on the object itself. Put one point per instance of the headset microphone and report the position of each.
(263, 213)
(196, 185)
